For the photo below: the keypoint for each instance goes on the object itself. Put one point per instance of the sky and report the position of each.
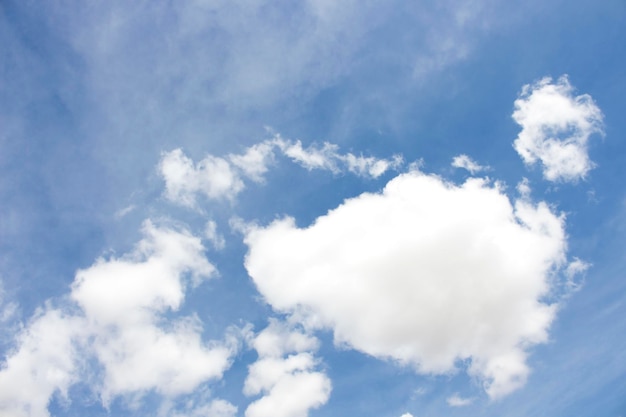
(316, 208)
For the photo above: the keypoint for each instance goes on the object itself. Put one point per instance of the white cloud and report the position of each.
(467, 163)
(285, 374)
(214, 177)
(426, 273)
(123, 299)
(556, 126)
(211, 233)
(576, 267)
(574, 271)
(116, 315)
(370, 166)
(255, 160)
(458, 401)
(219, 178)
(311, 157)
(214, 408)
(43, 364)
(329, 158)
(277, 339)
(523, 188)
(407, 415)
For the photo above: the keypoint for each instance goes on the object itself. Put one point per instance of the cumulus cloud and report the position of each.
(122, 299)
(116, 314)
(426, 273)
(285, 373)
(467, 163)
(556, 126)
(44, 364)
(278, 339)
(212, 176)
(223, 178)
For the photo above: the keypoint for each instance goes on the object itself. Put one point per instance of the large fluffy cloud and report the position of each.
(426, 273)
(556, 126)
(117, 314)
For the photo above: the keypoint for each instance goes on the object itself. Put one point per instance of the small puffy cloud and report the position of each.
(556, 126)
(285, 374)
(467, 163)
(115, 314)
(214, 177)
(425, 273)
(148, 280)
(458, 401)
(278, 339)
(407, 415)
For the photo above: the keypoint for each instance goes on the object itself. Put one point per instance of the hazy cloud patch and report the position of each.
(457, 401)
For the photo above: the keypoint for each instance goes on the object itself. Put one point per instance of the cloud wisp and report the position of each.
(425, 273)
(456, 400)
(556, 127)
(223, 178)
(465, 162)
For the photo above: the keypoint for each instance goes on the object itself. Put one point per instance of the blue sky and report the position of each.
(314, 208)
